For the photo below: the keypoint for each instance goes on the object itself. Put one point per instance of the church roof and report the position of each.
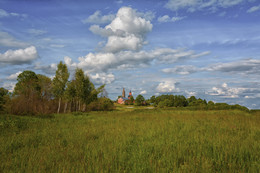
(124, 98)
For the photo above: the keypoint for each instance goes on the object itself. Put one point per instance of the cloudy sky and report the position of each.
(206, 48)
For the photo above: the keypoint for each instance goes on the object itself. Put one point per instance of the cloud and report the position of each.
(182, 70)
(14, 76)
(244, 67)
(253, 96)
(20, 56)
(130, 59)
(199, 5)
(48, 69)
(9, 86)
(57, 45)
(4, 13)
(143, 92)
(119, 2)
(36, 32)
(253, 9)
(149, 15)
(9, 41)
(166, 18)
(127, 30)
(98, 18)
(227, 92)
(190, 93)
(102, 78)
(167, 87)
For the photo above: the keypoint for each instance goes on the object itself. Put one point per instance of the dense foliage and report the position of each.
(36, 94)
(190, 103)
(4, 98)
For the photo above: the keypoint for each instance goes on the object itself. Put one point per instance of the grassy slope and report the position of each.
(132, 140)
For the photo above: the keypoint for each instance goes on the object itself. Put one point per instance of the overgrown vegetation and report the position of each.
(132, 140)
(36, 94)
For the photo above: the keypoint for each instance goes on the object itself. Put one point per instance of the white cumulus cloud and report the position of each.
(127, 30)
(19, 56)
(227, 92)
(102, 78)
(143, 92)
(104, 61)
(14, 76)
(167, 87)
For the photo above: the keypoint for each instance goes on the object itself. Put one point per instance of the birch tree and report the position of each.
(59, 82)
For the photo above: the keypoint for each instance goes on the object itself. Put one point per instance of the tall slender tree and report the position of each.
(84, 88)
(70, 94)
(59, 82)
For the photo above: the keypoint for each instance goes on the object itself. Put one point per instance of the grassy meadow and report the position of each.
(132, 140)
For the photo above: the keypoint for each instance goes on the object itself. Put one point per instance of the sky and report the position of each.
(206, 48)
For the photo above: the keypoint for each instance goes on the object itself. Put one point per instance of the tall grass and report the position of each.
(132, 141)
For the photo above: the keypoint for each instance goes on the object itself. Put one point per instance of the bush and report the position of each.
(102, 104)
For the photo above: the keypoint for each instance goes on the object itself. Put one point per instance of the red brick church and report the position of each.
(123, 99)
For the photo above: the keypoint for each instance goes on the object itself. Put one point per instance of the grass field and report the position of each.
(132, 140)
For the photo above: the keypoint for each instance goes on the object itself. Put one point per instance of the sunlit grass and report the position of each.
(132, 140)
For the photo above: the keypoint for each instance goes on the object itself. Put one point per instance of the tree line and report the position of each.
(192, 103)
(38, 94)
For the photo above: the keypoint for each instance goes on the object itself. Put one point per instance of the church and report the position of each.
(123, 99)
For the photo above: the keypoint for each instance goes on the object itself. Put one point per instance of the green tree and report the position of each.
(70, 95)
(4, 97)
(46, 86)
(192, 100)
(59, 82)
(153, 99)
(84, 89)
(139, 100)
(27, 90)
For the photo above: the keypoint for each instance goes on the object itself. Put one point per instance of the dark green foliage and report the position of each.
(4, 98)
(101, 104)
(27, 92)
(140, 100)
(45, 85)
(191, 103)
(27, 85)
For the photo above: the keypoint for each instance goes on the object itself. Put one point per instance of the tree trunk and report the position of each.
(65, 107)
(69, 107)
(58, 111)
(79, 105)
(84, 107)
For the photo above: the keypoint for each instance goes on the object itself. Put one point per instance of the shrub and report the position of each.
(102, 104)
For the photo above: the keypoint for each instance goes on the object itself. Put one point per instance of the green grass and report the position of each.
(132, 140)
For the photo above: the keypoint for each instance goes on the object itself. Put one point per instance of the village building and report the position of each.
(123, 99)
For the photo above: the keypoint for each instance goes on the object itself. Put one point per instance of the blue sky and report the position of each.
(209, 49)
